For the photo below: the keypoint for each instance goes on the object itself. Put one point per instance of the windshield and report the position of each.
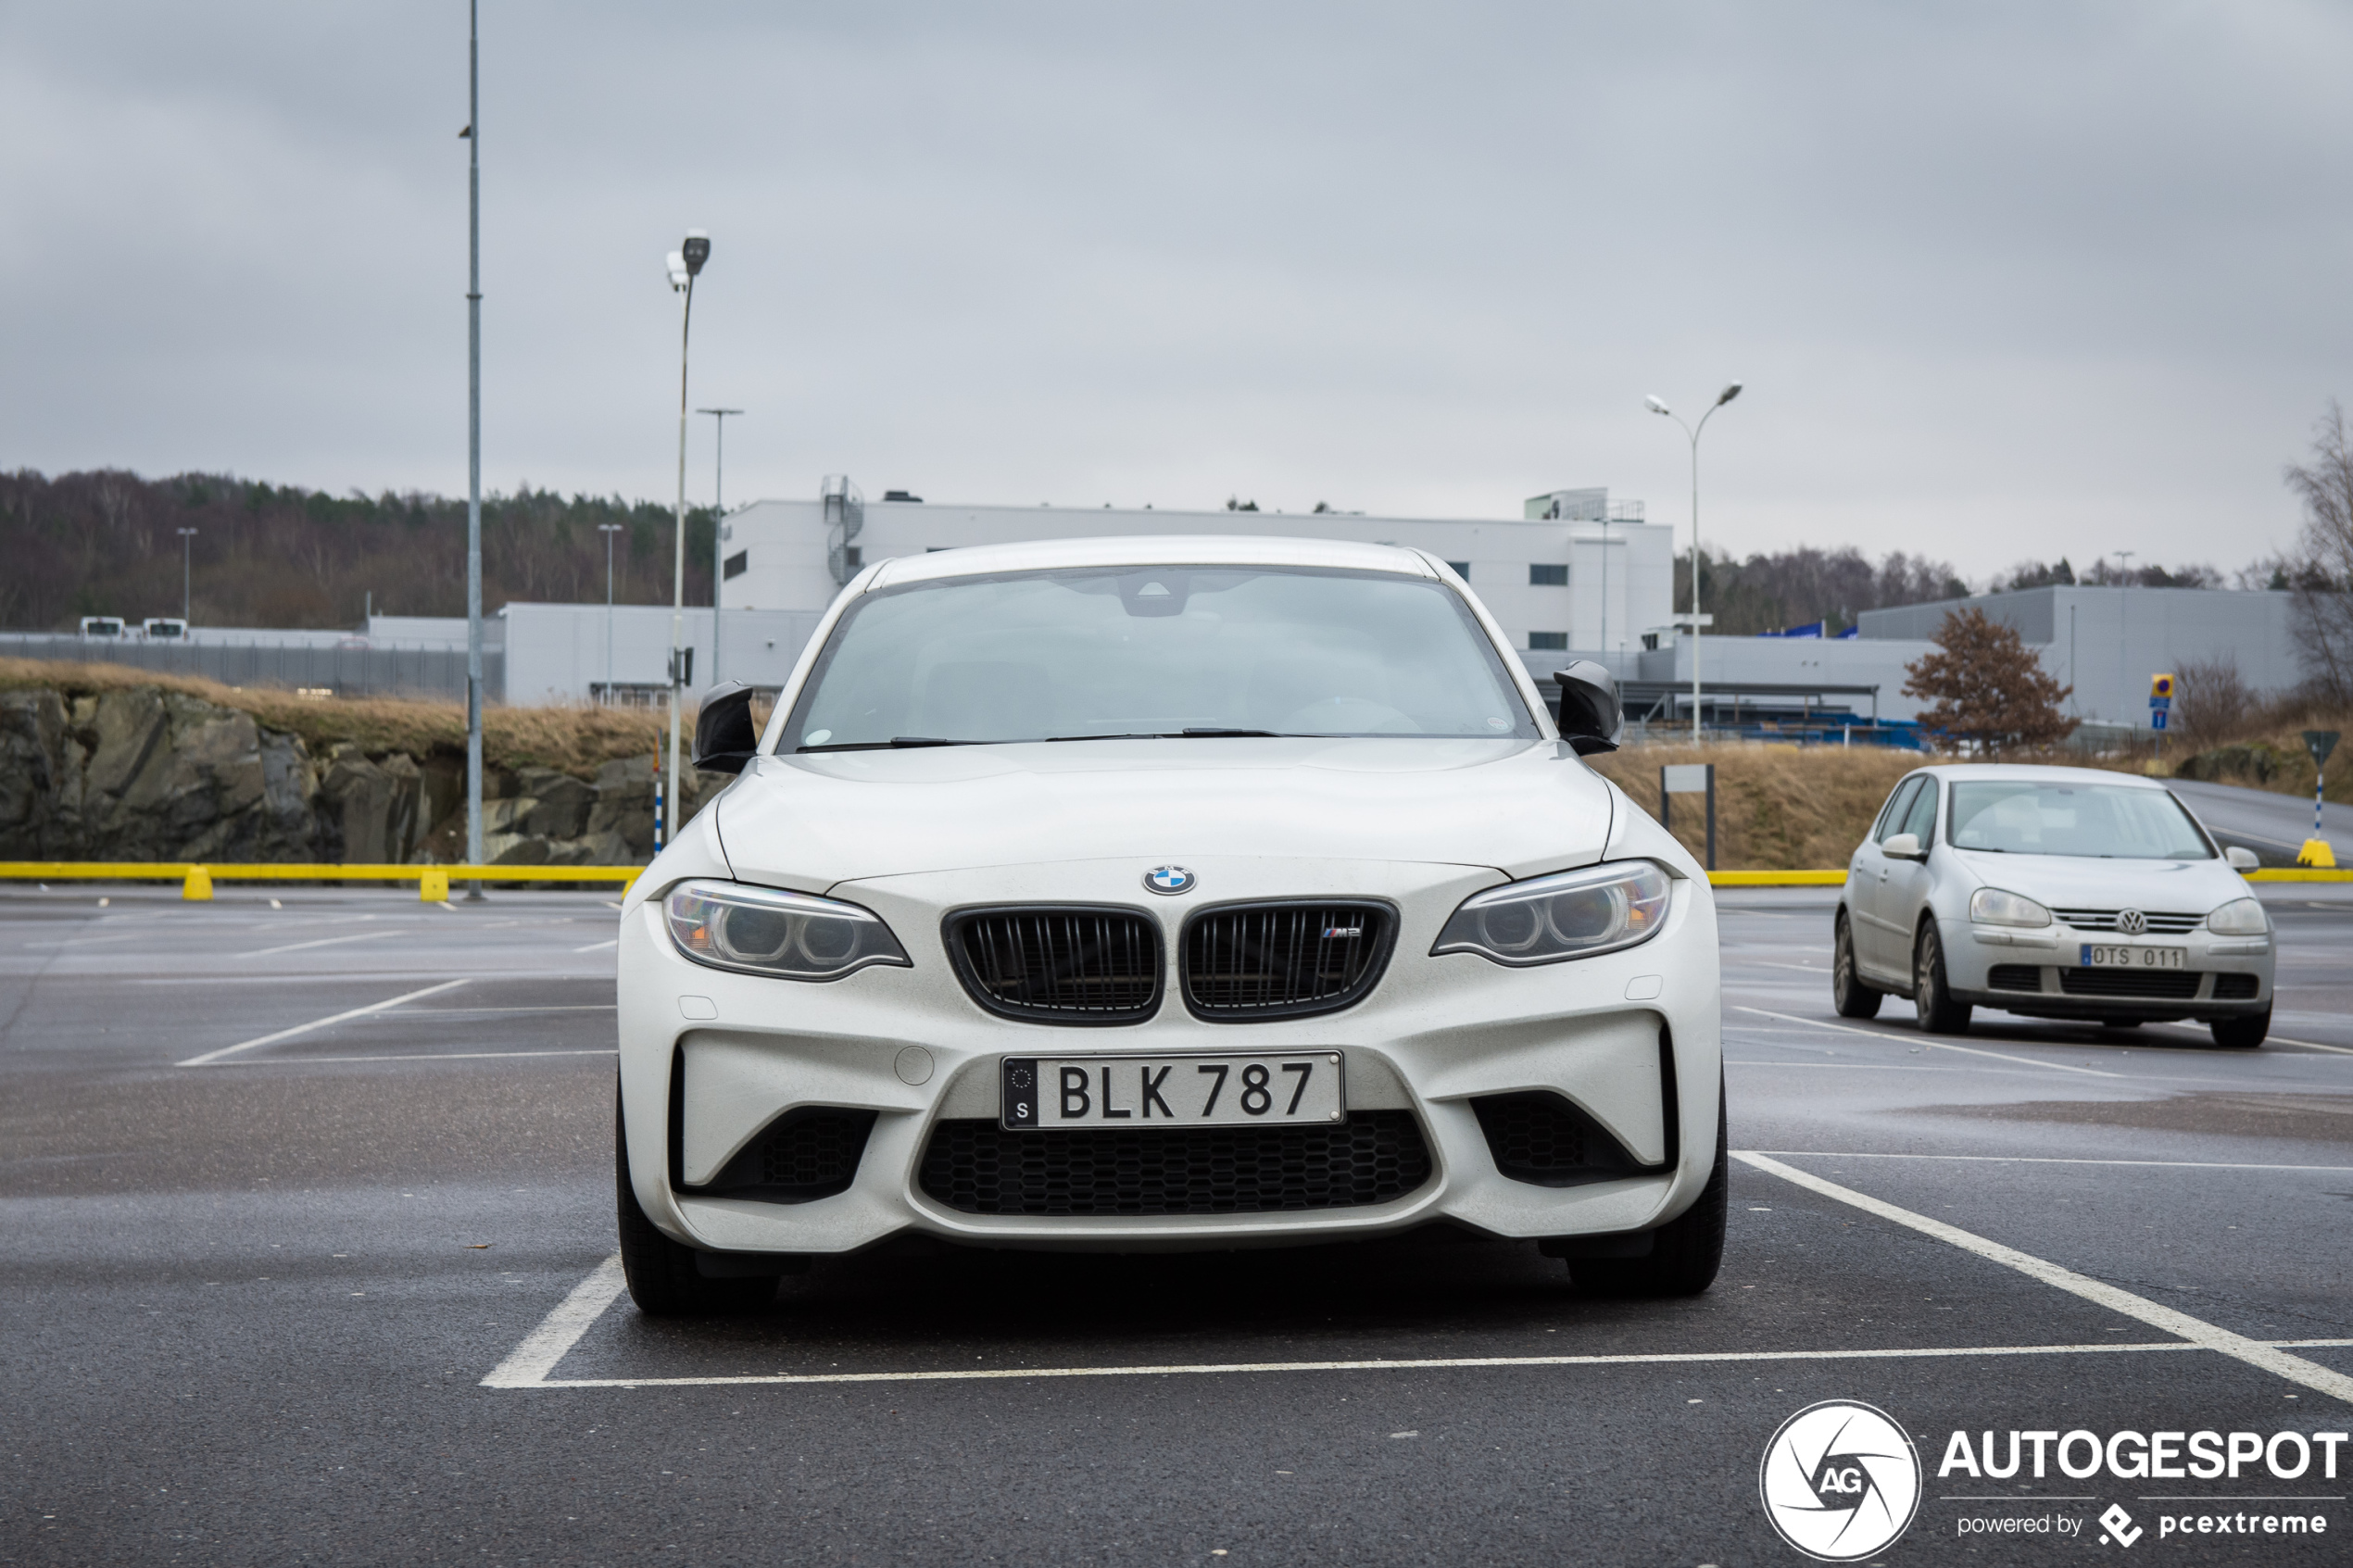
(1177, 651)
(2117, 822)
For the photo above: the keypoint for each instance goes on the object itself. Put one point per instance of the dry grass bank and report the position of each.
(571, 739)
(1778, 807)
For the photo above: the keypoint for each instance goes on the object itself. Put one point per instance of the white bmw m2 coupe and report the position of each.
(1160, 893)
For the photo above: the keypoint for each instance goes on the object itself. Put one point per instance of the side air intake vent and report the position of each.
(1066, 965)
(1248, 961)
(1541, 1137)
(812, 1153)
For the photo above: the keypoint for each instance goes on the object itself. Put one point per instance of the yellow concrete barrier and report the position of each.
(1777, 879)
(185, 873)
(433, 886)
(196, 885)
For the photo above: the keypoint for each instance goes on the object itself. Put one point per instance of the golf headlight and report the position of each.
(2240, 917)
(1572, 915)
(768, 930)
(1991, 906)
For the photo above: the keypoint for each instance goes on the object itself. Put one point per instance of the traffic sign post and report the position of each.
(2320, 743)
(2160, 704)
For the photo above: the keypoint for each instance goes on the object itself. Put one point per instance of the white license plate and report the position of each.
(1051, 1094)
(2100, 955)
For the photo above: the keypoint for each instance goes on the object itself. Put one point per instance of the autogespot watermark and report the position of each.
(1842, 1481)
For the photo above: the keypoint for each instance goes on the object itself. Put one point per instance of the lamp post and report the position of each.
(686, 265)
(608, 530)
(718, 529)
(472, 133)
(1658, 406)
(187, 545)
(2124, 626)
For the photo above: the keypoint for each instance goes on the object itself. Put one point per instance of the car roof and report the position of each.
(1161, 549)
(1997, 773)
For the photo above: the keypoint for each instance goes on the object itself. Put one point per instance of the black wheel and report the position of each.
(1848, 994)
(2242, 1033)
(1685, 1252)
(662, 1278)
(1940, 1014)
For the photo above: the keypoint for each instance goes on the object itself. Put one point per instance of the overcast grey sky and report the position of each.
(2003, 280)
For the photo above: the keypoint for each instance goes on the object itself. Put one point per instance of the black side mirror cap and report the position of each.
(1591, 717)
(724, 738)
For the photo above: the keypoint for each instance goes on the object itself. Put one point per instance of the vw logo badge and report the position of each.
(2131, 922)
(1171, 880)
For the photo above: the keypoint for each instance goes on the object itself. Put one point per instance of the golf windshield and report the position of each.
(1173, 651)
(2109, 822)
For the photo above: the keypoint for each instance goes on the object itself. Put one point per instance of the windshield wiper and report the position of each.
(895, 742)
(1190, 732)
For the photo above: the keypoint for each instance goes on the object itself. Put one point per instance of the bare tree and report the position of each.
(2322, 572)
(1988, 688)
(2212, 702)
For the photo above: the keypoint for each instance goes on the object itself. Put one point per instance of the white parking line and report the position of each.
(2254, 1352)
(2046, 1160)
(528, 1363)
(1938, 1041)
(210, 1056)
(408, 1056)
(598, 947)
(321, 942)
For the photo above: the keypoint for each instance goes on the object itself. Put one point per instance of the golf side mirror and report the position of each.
(724, 738)
(1591, 718)
(2241, 858)
(1904, 846)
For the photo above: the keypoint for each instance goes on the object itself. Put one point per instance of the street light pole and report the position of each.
(1658, 406)
(718, 528)
(473, 442)
(608, 530)
(686, 265)
(2124, 626)
(187, 545)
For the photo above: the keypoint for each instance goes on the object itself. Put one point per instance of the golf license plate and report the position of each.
(2102, 955)
(1057, 1094)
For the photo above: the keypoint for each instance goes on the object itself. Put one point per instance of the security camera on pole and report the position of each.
(685, 266)
(1658, 406)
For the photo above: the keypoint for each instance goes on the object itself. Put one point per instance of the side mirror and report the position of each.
(724, 738)
(1904, 846)
(2241, 858)
(1591, 718)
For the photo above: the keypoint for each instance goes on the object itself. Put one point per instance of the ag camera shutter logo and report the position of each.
(1840, 1481)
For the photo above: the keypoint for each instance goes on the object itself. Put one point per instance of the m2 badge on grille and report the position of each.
(1048, 1094)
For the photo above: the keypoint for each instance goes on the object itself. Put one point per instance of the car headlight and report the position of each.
(768, 930)
(2240, 917)
(1991, 906)
(1571, 915)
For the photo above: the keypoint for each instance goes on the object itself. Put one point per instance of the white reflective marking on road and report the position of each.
(528, 1364)
(2312, 1044)
(1862, 1066)
(408, 1055)
(2206, 1335)
(1940, 1042)
(2046, 1160)
(321, 942)
(1808, 968)
(598, 947)
(210, 1056)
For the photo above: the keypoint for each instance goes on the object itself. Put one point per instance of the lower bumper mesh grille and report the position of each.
(2169, 985)
(2015, 977)
(980, 1168)
(1543, 1138)
(805, 1154)
(2235, 987)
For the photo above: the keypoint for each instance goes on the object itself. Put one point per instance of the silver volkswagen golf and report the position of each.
(2053, 892)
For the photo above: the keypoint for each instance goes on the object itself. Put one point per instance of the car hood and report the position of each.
(812, 821)
(2076, 883)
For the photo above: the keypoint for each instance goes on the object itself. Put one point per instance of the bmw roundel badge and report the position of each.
(1171, 880)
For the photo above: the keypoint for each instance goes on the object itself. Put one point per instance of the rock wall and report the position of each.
(149, 774)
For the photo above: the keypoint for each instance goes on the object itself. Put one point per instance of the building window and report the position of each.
(1548, 641)
(1460, 569)
(735, 565)
(1546, 576)
(853, 555)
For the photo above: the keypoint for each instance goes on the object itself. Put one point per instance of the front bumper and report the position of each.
(2040, 974)
(710, 1060)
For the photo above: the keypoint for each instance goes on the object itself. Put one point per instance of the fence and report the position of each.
(345, 672)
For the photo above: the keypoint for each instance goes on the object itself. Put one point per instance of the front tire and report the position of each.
(1685, 1252)
(1848, 994)
(1940, 1014)
(663, 1277)
(2243, 1034)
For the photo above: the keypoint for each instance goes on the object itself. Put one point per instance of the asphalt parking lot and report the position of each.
(309, 1214)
